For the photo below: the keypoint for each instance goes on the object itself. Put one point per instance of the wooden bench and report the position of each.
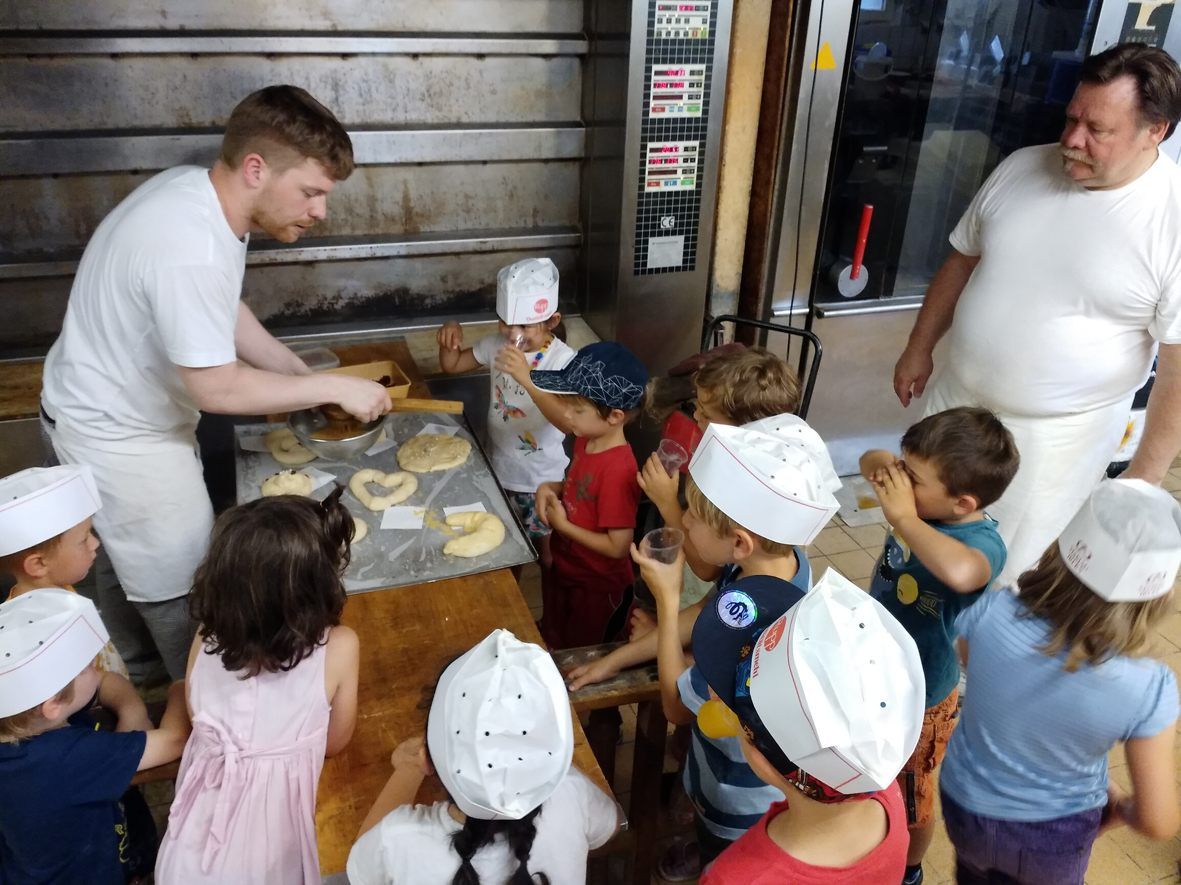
(639, 686)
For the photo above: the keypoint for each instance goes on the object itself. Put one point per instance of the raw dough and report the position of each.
(401, 484)
(286, 448)
(287, 482)
(483, 532)
(428, 452)
(361, 529)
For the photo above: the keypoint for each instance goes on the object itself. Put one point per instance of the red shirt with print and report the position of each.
(754, 859)
(600, 492)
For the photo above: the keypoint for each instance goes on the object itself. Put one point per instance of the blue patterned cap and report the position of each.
(605, 372)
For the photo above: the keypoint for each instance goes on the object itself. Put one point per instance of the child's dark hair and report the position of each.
(518, 834)
(605, 411)
(270, 586)
(971, 449)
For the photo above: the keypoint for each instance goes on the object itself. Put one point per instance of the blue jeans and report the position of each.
(1003, 852)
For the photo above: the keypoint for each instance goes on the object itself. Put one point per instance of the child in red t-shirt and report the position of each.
(593, 511)
(836, 683)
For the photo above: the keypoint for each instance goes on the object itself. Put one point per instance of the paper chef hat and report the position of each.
(775, 484)
(1125, 541)
(527, 291)
(500, 732)
(42, 502)
(796, 431)
(838, 684)
(47, 637)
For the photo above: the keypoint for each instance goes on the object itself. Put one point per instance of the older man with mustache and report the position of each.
(1063, 281)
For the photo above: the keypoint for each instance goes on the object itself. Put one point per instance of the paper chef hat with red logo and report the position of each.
(500, 732)
(777, 483)
(838, 684)
(527, 291)
(47, 637)
(42, 502)
(1125, 541)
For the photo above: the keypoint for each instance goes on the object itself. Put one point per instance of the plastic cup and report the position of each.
(672, 455)
(662, 544)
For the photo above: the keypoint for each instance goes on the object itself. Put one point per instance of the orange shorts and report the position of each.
(917, 778)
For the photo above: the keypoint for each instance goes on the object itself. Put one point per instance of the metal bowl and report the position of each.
(308, 421)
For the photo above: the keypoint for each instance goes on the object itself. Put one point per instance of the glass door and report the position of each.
(935, 94)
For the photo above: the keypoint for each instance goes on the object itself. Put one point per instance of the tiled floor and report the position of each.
(1121, 857)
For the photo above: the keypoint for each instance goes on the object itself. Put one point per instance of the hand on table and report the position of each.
(657, 484)
(450, 336)
(365, 400)
(411, 755)
(663, 578)
(895, 493)
(588, 674)
(512, 362)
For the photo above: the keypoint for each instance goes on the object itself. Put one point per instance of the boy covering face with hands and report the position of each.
(943, 551)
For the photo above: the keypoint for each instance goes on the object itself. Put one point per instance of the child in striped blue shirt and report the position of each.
(756, 495)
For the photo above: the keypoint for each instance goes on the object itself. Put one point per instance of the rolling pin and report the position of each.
(410, 404)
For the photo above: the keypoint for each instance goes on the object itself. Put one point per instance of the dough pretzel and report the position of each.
(484, 532)
(401, 485)
(361, 529)
(287, 482)
(428, 452)
(286, 448)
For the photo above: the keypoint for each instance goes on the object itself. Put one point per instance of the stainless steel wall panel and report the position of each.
(185, 92)
(53, 214)
(54, 155)
(412, 288)
(515, 16)
(289, 44)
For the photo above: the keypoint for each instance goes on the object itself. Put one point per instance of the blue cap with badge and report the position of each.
(605, 372)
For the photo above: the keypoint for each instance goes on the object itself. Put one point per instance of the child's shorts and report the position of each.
(917, 778)
(1050, 852)
(524, 504)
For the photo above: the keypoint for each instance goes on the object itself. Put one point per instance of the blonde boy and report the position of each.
(756, 497)
(827, 699)
(61, 780)
(46, 536)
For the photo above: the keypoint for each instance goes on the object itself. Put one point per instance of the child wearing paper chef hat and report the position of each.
(500, 738)
(525, 426)
(64, 814)
(756, 496)
(1058, 679)
(46, 537)
(827, 698)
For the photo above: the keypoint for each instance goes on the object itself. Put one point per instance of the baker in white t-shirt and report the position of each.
(1063, 283)
(155, 331)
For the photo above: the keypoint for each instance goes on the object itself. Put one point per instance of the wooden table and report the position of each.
(408, 635)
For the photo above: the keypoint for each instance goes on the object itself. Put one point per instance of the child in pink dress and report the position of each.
(272, 688)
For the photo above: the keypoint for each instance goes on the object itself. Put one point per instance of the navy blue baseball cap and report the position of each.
(724, 639)
(605, 372)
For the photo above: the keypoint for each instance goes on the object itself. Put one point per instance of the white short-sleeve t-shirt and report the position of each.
(1073, 289)
(158, 287)
(412, 844)
(524, 448)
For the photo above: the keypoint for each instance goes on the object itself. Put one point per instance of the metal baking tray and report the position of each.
(398, 557)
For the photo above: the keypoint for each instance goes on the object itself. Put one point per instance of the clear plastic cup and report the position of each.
(672, 455)
(662, 544)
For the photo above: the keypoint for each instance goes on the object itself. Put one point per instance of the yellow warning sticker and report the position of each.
(824, 58)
